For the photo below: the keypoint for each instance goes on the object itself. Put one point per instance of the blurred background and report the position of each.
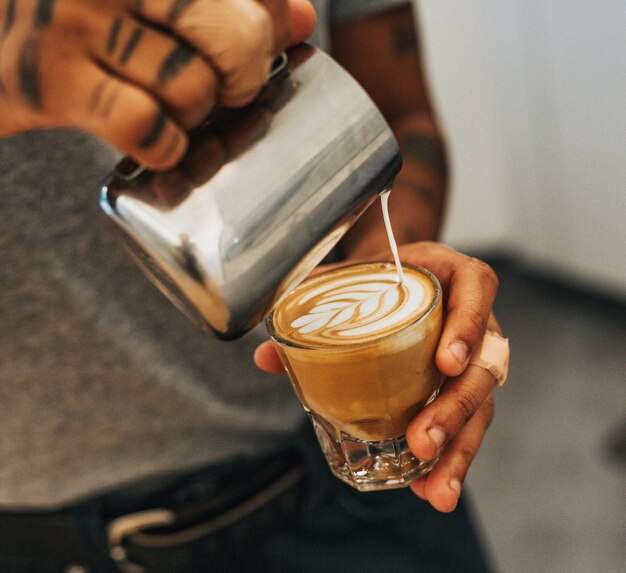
(532, 96)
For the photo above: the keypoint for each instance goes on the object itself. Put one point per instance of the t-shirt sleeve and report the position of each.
(346, 9)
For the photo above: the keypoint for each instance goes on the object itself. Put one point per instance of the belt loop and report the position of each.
(122, 527)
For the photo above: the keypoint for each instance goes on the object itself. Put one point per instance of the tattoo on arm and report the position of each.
(28, 72)
(404, 37)
(155, 131)
(10, 17)
(428, 150)
(430, 196)
(177, 8)
(114, 33)
(175, 61)
(132, 43)
(43, 14)
(427, 176)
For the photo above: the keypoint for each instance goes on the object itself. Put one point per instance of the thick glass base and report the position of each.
(370, 466)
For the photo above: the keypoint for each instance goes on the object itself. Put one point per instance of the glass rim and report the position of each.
(336, 348)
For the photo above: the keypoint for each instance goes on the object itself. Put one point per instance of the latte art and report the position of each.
(375, 303)
(355, 306)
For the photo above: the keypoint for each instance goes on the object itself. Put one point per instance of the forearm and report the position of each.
(383, 54)
(417, 201)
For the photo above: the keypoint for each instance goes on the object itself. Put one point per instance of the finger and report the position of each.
(121, 113)
(171, 70)
(303, 20)
(267, 359)
(470, 287)
(445, 416)
(280, 15)
(236, 37)
(472, 290)
(293, 21)
(442, 486)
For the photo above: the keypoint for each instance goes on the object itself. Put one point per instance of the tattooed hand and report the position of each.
(138, 73)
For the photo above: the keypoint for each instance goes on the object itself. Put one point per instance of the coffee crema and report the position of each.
(353, 305)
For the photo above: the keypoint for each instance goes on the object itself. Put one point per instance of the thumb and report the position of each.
(267, 359)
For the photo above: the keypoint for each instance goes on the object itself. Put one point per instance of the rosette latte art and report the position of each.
(353, 305)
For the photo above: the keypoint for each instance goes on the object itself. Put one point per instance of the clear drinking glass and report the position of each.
(361, 395)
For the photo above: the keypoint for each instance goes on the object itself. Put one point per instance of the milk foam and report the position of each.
(384, 203)
(354, 306)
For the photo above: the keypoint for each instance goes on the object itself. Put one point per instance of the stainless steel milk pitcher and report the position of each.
(263, 194)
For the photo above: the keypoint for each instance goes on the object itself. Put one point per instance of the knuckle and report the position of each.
(467, 454)
(201, 91)
(465, 403)
(248, 40)
(141, 118)
(193, 100)
(485, 272)
(431, 246)
(139, 115)
(489, 410)
(477, 320)
(260, 21)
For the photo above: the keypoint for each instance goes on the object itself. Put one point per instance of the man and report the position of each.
(120, 420)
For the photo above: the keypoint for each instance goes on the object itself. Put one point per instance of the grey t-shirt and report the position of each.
(102, 381)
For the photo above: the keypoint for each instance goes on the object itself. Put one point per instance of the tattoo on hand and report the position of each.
(177, 8)
(28, 71)
(10, 18)
(405, 39)
(429, 196)
(107, 106)
(96, 95)
(114, 35)
(176, 60)
(132, 43)
(155, 132)
(43, 14)
(103, 98)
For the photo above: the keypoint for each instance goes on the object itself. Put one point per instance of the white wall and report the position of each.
(532, 94)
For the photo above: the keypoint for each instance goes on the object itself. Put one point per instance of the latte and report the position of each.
(359, 347)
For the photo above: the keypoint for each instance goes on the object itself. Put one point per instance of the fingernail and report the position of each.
(460, 351)
(437, 435)
(455, 486)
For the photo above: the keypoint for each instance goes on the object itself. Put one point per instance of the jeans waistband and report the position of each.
(131, 519)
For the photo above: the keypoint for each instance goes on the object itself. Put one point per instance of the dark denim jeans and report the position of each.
(316, 525)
